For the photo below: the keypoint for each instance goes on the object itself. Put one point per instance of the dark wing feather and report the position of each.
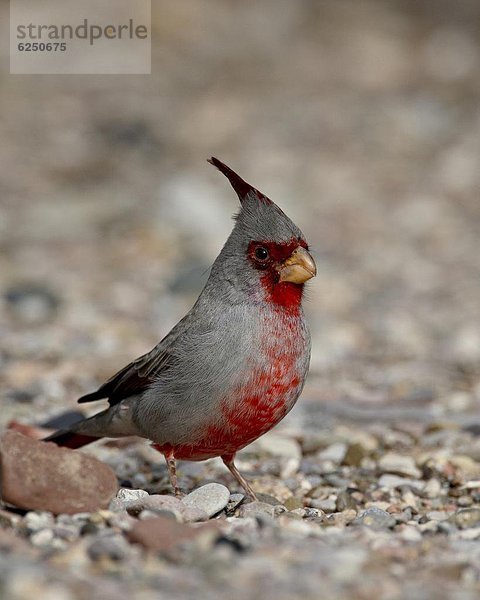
(137, 376)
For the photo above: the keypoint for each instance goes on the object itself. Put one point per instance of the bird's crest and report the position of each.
(242, 188)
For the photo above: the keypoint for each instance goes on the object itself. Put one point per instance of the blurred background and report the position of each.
(360, 119)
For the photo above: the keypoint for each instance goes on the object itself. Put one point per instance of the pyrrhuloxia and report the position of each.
(235, 365)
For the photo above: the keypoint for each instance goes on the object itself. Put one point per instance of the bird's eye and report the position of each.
(261, 253)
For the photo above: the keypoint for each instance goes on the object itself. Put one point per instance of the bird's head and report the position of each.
(265, 247)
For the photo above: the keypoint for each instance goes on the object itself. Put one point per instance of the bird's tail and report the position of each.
(70, 439)
(111, 422)
(78, 433)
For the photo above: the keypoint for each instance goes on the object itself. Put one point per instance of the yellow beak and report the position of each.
(299, 267)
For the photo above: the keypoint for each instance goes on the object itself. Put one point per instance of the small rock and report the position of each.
(410, 533)
(280, 510)
(293, 503)
(437, 515)
(234, 503)
(446, 527)
(40, 475)
(42, 537)
(109, 546)
(89, 529)
(165, 535)
(355, 454)
(153, 514)
(345, 501)
(162, 503)
(278, 445)
(297, 512)
(341, 519)
(256, 509)
(268, 499)
(399, 465)
(432, 488)
(465, 501)
(328, 505)
(471, 485)
(467, 467)
(466, 518)
(376, 518)
(395, 481)
(66, 532)
(336, 453)
(391, 481)
(429, 526)
(126, 495)
(210, 498)
(34, 521)
(312, 513)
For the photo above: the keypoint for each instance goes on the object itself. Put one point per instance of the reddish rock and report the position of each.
(32, 431)
(41, 476)
(165, 535)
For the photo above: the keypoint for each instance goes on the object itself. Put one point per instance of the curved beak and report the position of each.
(299, 267)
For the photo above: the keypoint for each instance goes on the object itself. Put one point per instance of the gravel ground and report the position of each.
(362, 120)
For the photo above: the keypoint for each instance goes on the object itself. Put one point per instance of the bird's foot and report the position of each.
(178, 493)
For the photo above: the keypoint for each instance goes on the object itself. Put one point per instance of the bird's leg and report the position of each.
(228, 462)
(172, 472)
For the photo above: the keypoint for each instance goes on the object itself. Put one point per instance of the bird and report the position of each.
(234, 366)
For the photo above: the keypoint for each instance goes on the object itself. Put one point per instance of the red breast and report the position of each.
(258, 402)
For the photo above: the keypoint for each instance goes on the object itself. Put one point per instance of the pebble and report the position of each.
(396, 481)
(429, 526)
(278, 445)
(341, 518)
(375, 518)
(66, 532)
(112, 546)
(410, 533)
(234, 501)
(399, 465)
(256, 509)
(471, 485)
(335, 453)
(165, 535)
(345, 501)
(432, 488)
(355, 454)
(466, 517)
(42, 537)
(162, 503)
(437, 515)
(328, 505)
(33, 520)
(293, 503)
(210, 498)
(126, 495)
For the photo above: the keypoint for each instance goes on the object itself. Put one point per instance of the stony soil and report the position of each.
(362, 120)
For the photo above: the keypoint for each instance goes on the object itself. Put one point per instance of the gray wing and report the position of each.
(138, 376)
